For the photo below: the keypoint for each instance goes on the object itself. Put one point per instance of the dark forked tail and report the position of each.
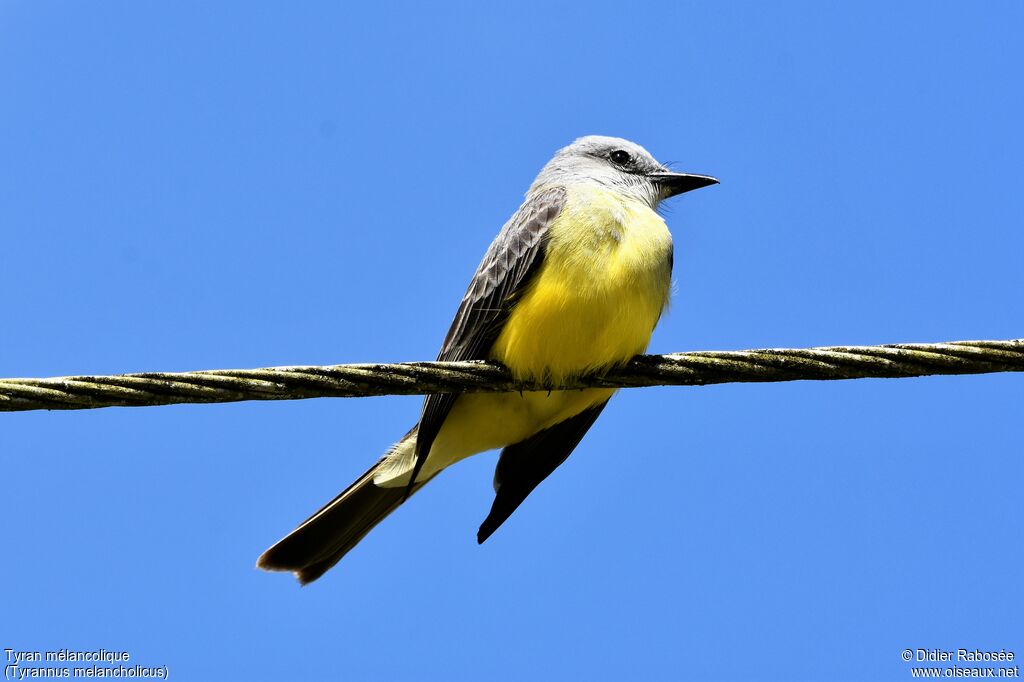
(326, 536)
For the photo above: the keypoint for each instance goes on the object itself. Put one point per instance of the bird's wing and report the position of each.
(524, 465)
(504, 273)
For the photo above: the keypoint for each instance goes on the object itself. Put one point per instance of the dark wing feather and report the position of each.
(524, 465)
(504, 273)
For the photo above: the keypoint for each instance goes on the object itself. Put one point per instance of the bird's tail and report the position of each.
(326, 536)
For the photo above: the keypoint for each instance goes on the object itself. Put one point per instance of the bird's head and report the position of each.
(620, 165)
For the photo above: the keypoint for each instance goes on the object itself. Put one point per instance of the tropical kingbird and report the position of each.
(574, 283)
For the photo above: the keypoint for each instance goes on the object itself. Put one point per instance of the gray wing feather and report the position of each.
(503, 275)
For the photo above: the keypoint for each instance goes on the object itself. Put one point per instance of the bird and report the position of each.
(574, 283)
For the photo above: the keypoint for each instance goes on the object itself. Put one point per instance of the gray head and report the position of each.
(619, 165)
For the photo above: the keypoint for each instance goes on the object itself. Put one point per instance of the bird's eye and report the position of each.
(620, 157)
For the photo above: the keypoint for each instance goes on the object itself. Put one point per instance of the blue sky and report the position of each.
(207, 185)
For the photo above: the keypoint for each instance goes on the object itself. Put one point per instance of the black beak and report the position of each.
(672, 184)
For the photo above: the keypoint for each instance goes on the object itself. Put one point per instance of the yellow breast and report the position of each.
(600, 291)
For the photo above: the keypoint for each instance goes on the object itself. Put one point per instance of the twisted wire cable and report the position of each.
(697, 368)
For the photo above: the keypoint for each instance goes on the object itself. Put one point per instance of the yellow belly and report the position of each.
(594, 303)
(601, 290)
